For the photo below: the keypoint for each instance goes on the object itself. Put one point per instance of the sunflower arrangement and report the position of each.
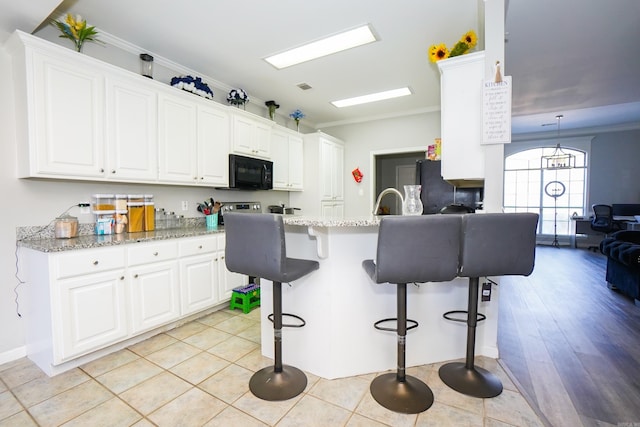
(466, 43)
(75, 29)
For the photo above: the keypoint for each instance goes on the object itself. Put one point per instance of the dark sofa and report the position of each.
(622, 249)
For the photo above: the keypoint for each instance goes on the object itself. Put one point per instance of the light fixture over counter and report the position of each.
(323, 47)
(559, 159)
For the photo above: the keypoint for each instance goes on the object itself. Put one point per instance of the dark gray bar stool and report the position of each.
(255, 245)
(411, 249)
(493, 244)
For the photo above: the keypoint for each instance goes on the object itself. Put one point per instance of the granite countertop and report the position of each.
(365, 221)
(95, 241)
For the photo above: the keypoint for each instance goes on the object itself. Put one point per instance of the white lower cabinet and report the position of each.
(85, 300)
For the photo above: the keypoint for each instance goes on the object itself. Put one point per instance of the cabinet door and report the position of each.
(337, 172)
(296, 163)
(227, 280)
(154, 295)
(262, 140)
(132, 123)
(198, 283)
(280, 158)
(213, 146)
(243, 129)
(68, 114)
(177, 140)
(326, 172)
(91, 313)
(332, 209)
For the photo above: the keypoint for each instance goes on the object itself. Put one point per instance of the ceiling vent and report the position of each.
(304, 86)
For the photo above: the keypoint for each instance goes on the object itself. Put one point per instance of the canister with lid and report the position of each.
(121, 202)
(103, 202)
(66, 227)
(135, 207)
(149, 213)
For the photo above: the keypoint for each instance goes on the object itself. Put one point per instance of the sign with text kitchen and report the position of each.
(496, 111)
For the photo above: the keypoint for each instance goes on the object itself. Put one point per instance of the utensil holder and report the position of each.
(212, 221)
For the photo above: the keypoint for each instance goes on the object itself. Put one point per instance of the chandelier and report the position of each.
(559, 159)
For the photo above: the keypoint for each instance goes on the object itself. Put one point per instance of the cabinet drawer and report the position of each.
(88, 261)
(198, 245)
(147, 253)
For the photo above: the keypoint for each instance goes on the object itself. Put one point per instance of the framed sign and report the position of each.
(496, 111)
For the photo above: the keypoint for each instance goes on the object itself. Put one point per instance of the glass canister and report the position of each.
(135, 208)
(121, 202)
(105, 222)
(412, 204)
(66, 227)
(103, 202)
(149, 213)
(121, 220)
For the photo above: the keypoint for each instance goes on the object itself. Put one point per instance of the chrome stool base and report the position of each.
(267, 384)
(476, 382)
(410, 396)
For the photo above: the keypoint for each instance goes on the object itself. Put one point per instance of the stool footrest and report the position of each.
(290, 325)
(448, 316)
(410, 324)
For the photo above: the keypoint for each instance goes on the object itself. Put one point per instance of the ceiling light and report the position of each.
(394, 93)
(327, 46)
(559, 159)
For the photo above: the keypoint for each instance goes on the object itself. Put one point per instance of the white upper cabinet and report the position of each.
(132, 130)
(251, 135)
(461, 119)
(213, 145)
(287, 153)
(178, 150)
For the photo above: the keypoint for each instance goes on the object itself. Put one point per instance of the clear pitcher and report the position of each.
(412, 204)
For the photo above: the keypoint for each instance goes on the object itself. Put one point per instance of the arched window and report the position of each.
(525, 182)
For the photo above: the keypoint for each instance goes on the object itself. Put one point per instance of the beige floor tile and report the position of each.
(173, 354)
(312, 412)
(9, 405)
(43, 388)
(19, 372)
(143, 423)
(21, 419)
(199, 367)
(215, 317)
(109, 362)
(233, 417)
(207, 338)
(267, 412)
(129, 375)
(233, 348)
(252, 333)
(3, 387)
(254, 361)
(149, 395)
(228, 384)
(369, 408)
(510, 407)
(234, 325)
(358, 420)
(193, 408)
(186, 330)
(69, 404)
(448, 396)
(253, 314)
(344, 392)
(152, 344)
(112, 413)
(447, 416)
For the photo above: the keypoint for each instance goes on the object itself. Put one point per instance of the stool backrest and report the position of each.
(498, 244)
(255, 244)
(420, 248)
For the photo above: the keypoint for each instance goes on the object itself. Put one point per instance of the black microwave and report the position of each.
(250, 173)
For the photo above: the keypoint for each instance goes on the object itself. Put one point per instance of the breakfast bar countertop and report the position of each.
(96, 241)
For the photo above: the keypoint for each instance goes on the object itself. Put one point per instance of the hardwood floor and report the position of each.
(572, 343)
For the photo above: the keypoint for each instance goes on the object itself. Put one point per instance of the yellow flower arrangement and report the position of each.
(76, 30)
(466, 43)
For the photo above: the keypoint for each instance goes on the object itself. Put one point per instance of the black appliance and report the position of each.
(250, 173)
(439, 196)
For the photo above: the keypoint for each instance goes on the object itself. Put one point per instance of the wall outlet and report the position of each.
(185, 205)
(85, 209)
(486, 292)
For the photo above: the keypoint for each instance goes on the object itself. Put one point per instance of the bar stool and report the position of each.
(493, 244)
(255, 245)
(410, 249)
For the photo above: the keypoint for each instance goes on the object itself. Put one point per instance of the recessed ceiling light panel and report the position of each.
(332, 44)
(394, 93)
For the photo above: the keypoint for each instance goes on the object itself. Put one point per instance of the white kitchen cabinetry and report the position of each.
(59, 112)
(287, 153)
(227, 280)
(250, 135)
(461, 122)
(193, 141)
(154, 285)
(323, 179)
(132, 129)
(198, 274)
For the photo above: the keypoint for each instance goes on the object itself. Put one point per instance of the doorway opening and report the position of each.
(394, 169)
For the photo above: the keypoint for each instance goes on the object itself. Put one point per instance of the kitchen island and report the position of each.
(340, 304)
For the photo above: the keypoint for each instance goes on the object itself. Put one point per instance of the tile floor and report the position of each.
(198, 375)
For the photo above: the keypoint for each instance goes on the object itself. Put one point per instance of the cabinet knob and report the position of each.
(200, 247)
(121, 277)
(135, 276)
(202, 177)
(113, 171)
(222, 257)
(155, 254)
(195, 178)
(95, 262)
(101, 170)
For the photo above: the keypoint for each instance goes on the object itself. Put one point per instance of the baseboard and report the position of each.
(11, 355)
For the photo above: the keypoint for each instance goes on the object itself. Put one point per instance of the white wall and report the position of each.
(362, 139)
